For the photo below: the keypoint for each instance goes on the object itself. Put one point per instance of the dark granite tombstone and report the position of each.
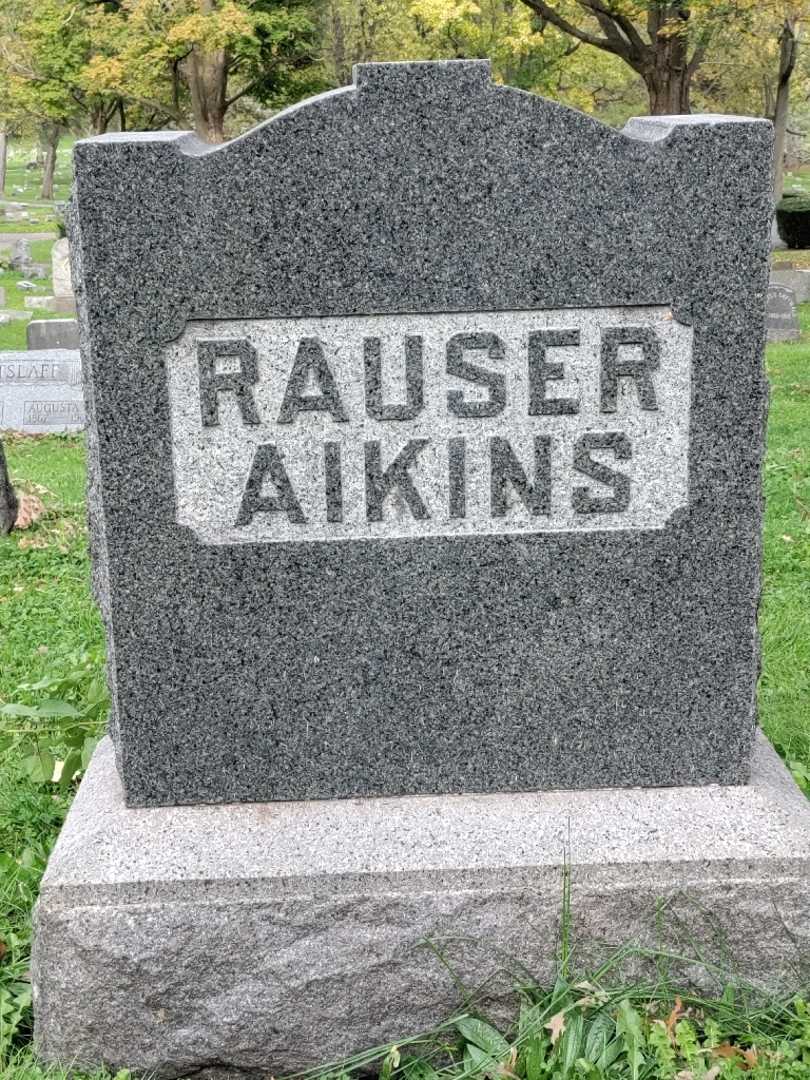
(523, 559)
(8, 497)
(426, 424)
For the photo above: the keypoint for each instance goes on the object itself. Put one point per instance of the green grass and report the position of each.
(24, 185)
(49, 629)
(784, 691)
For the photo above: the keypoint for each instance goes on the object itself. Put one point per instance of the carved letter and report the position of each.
(379, 483)
(214, 383)
(494, 381)
(582, 500)
(267, 464)
(506, 471)
(639, 370)
(414, 378)
(310, 360)
(541, 370)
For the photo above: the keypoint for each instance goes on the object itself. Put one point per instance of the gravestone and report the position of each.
(8, 497)
(793, 278)
(60, 268)
(425, 429)
(781, 319)
(41, 393)
(52, 334)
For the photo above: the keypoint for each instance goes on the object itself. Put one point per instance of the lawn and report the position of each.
(50, 635)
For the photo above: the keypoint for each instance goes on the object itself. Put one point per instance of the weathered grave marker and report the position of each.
(41, 392)
(426, 430)
(60, 269)
(782, 322)
(52, 334)
(793, 278)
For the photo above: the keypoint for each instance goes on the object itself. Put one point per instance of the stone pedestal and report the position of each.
(269, 937)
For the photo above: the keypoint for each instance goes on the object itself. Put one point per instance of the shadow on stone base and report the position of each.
(265, 938)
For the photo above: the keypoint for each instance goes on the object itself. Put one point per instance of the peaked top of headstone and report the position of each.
(457, 85)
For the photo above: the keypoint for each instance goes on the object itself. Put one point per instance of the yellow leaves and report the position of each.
(217, 30)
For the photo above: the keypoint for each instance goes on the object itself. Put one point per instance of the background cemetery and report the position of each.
(69, 70)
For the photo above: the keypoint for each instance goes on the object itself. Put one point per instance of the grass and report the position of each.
(50, 631)
(23, 184)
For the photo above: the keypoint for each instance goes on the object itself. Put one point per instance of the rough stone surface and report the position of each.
(60, 268)
(41, 392)
(402, 665)
(52, 334)
(8, 497)
(273, 937)
(796, 280)
(781, 319)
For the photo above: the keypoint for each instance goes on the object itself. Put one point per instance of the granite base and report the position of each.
(264, 938)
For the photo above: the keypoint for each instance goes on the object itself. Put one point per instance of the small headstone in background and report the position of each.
(41, 392)
(792, 278)
(21, 261)
(60, 268)
(65, 305)
(8, 498)
(781, 319)
(52, 334)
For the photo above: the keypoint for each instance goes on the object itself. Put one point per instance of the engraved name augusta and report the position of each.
(420, 425)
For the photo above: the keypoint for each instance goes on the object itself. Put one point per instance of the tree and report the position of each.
(788, 51)
(212, 53)
(663, 42)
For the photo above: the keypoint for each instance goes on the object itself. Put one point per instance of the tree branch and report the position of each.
(624, 24)
(545, 11)
(245, 90)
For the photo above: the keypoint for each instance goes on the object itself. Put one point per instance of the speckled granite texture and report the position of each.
(287, 670)
(262, 939)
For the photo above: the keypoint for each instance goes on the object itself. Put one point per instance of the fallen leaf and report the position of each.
(726, 1050)
(3, 949)
(556, 1026)
(788, 539)
(30, 509)
(751, 1057)
(673, 1018)
(713, 1073)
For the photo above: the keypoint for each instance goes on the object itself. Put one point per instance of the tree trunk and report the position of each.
(3, 160)
(788, 47)
(98, 120)
(50, 143)
(207, 78)
(668, 78)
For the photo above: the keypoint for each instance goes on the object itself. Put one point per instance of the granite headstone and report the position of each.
(449, 482)
(782, 321)
(425, 434)
(60, 268)
(793, 278)
(52, 334)
(41, 392)
(8, 497)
